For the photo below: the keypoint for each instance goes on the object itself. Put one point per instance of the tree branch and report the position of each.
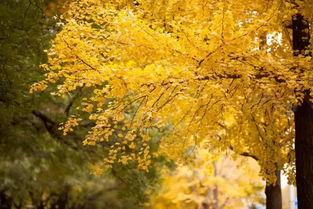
(52, 128)
(245, 154)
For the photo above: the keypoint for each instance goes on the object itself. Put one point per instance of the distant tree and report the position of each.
(211, 180)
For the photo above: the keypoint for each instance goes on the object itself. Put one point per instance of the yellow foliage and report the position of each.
(70, 124)
(198, 68)
(215, 182)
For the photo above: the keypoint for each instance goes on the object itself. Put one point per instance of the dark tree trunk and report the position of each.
(5, 201)
(304, 153)
(273, 194)
(300, 35)
(303, 123)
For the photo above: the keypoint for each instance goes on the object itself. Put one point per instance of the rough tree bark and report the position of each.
(273, 193)
(304, 153)
(303, 123)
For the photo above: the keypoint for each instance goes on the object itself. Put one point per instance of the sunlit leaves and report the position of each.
(198, 69)
(211, 179)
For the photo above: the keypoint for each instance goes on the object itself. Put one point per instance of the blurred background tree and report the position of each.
(212, 180)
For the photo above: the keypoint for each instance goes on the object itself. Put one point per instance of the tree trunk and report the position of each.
(304, 153)
(303, 123)
(273, 194)
(5, 201)
(215, 190)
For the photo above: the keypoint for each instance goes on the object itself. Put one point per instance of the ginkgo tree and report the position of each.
(211, 180)
(189, 68)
